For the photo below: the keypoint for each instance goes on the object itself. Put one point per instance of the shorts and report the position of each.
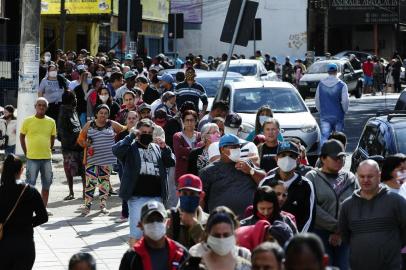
(73, 163)
(134, 209)
(43, 166)
(368, 81)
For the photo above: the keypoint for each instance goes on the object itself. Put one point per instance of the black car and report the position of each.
(383, 135)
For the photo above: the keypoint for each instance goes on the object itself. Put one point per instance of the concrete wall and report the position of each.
(284, 27)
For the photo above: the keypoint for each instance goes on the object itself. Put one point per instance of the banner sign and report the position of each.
(49, 7)
(191, 9)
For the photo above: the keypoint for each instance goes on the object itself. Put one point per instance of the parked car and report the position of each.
(383, 135)
(289, 108)
(401, 102)
(252, 70)
(362, 56)
(318, 71)
(173, 71)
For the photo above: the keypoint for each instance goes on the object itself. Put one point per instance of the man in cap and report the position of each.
(140, 67)
(199, 64)
(128, 60)
(168, 103)
(154, 251)
(333, 186)
(301, 198)
(167, 82)
(230, 181)
(368, 69)
(332, 102)
(129, 78)
(144, 111)
(188, 220)
(190, 90)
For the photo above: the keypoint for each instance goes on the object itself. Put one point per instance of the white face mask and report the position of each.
(108, 74)
(235, 154)
(228, 130)
(103, 98)
(47, 59)
(263, 118)
(52, 74)
(401, 177)
(221, 246)
(155, 230)
(286, 164)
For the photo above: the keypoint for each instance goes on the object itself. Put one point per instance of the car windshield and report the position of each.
(211, 85)
(244, 70)
(319, 68)
(281, 100)
(400, 137)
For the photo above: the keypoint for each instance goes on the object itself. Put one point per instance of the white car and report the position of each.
(295, 118)
(251, 69)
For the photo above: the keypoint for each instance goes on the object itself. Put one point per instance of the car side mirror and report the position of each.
(313, 109)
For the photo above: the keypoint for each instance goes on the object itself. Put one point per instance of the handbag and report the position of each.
(11, 212)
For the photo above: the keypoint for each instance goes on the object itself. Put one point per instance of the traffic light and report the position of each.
(178, 17)
(135, 18)
(257, 29)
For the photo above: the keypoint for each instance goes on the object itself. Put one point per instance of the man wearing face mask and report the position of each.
(154, 251)
(144, 175)
(188, 220)
(230, 181)
(301, 197)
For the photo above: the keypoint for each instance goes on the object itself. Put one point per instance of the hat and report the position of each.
(144, 106)
(152, 207)
(191, 182)
(128, 56)
(129, 74)
(167, 95)
(333, 148)
(287, 146)
(229, 139)
(84, 51)
(166, 77)
(233, 120)
(332, 67)
(281, 232)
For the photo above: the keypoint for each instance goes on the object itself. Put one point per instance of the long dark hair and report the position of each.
(390, 164)
(264, 108)
(99, 102)
(267, 194)
(11, 168)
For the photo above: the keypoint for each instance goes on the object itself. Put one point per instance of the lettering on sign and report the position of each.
(297, 40)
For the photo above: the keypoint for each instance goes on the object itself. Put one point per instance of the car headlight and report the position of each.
(309, 129)
(246, 128)
(302, 83)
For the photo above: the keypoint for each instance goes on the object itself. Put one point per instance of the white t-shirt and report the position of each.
(73, 84)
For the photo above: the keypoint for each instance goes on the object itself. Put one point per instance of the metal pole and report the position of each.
(62, 26)
(128, 34)
(326, 30)
(175, 33)
(255, 39)
(231, 48)
(398, 30)
(29, 61)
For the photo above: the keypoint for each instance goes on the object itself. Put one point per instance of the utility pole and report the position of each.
(29, 62)
(325, 25)
(398, 30)
(255, 39)
(174, 34)
(62, 26)
(128, 33)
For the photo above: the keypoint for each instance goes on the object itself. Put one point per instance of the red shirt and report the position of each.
(368, 68)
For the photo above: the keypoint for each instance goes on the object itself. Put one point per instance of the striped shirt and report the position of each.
(194, 93)
(102, 143)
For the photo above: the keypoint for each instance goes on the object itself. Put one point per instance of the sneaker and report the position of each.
(121, 220)
(85, 211)
(49, 214)
(112, 193)
(104, 210)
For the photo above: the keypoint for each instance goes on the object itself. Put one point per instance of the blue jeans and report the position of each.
(83, 119)
(134, 206)
(43, 166)
(124, 205)
(338, 256)
(328, 126)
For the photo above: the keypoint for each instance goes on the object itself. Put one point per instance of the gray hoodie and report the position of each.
(375, 230)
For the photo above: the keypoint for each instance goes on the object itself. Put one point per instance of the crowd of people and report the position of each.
(195, 195)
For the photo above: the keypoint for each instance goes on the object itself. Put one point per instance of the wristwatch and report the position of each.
(252, 171)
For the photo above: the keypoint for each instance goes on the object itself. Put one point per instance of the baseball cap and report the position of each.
(369, 57)
(144, 106)
(129, 74)
(166, 77)
(128, 56)
(229, 139)
(333, 148)
(151, 207)
(190, 182)
(332, 67)
(287, 146)
(281, 232)
(167, 96)
(233, 120)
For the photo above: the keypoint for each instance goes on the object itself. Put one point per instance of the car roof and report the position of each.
(259, 84)
(396, 121)
(335, 61)
(216, 74)
(244, 62)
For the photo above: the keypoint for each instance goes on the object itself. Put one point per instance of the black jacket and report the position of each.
(68, 128)
(150, 95)
(300, 201)
(193, 156)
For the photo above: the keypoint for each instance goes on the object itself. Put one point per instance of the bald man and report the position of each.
(373, 221)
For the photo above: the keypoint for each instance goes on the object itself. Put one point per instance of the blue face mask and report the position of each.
(89, 81)
(189, 204)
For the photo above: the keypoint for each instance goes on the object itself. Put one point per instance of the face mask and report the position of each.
(100, 73)
(145, 139)
(401, 177)
(52, 73)
(286, 164)
(263, 118)
(189, 204)
(214, 137)
(235, 154)
(89, 80)
(47, 58)
(155, 230)
(108, 74)
(221, 246)
(104, 98)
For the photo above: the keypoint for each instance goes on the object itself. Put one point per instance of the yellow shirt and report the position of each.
(38, 132)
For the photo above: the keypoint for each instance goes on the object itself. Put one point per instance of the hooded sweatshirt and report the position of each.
(332, 99)
(375, 229)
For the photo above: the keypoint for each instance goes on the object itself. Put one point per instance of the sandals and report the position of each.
(69, 197)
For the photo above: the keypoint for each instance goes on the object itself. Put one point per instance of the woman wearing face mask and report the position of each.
(104, 97)
(184, 141)
(263, 113)
(80, 92)
(394, 173)
(97, 137)
(8, 127)
(220, 250)
(199, 157)
(17, 248)
(101, 71)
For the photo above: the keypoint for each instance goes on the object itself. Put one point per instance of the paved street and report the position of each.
(67, 233)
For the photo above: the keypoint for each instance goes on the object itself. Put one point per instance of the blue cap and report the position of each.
(229, 139)
(166, 77)
(332, 67)
(129, 56)
(287, 146)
